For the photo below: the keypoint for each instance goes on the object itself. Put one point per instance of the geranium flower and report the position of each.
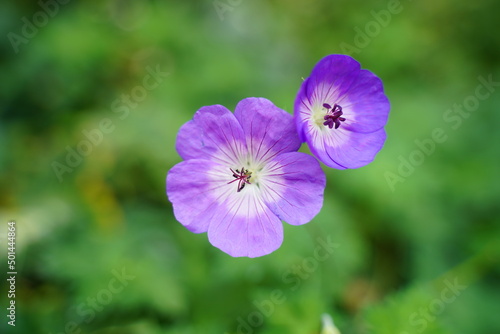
(341, 111)
(242, 176)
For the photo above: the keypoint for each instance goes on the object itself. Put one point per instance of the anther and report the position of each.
(333, 115)
(243, 177)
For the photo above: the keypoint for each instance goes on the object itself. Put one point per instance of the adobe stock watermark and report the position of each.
(381, 19)
(86, 311)
(425, 315)
(31, 26)
(454, 117)
(120, 106)
(11, 271)
(224, 6)
(293, 278)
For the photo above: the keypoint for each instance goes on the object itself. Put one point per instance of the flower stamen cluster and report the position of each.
(333, 115)
(243, 177)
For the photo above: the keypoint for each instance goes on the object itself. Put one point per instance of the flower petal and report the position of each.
(343, 149)
(189, 144)
(268, 129)
(292, 185)
(333, 72)
(365, 106)
(192, 189)
(213, 134)
(245, 226)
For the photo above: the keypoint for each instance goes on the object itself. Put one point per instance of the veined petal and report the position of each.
(194, 188)
(303, 112)
(365, 106)
(292, 185)
(331, 78)
(244, 226)
(346, 149)
(269, 130)
(213, 134)
(189, 143)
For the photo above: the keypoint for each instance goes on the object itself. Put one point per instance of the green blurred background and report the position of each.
(98, 248)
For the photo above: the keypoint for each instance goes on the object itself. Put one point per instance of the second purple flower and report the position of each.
(341, 111)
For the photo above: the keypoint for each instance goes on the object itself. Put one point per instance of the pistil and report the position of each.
(242, 176)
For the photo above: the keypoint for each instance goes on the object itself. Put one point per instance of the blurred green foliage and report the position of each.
(398, 242)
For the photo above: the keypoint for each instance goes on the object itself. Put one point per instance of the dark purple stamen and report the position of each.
(333, 116)
(243, 177)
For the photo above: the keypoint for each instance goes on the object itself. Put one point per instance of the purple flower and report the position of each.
(341, 111)
(242, 175)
